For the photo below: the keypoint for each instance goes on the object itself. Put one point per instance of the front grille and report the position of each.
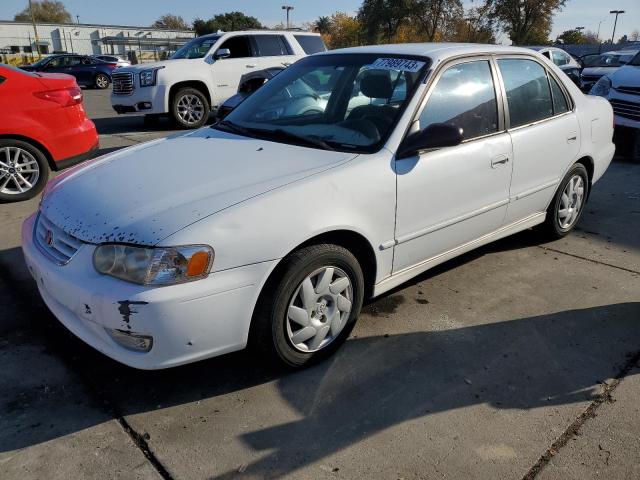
(630, 90)
(122, 83)
(626, 109)
(54, 242)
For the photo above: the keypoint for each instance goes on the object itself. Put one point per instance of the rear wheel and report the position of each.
(567, 205)
(23, 170)
(101, 81)
(308, 311)
(189, 108)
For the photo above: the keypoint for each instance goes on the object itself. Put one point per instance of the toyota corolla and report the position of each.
(271, 227)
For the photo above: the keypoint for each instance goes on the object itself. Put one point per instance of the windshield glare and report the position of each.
(348, 102)
(612, 59)
(196, 48)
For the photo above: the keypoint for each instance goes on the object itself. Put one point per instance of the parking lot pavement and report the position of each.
(517, 360)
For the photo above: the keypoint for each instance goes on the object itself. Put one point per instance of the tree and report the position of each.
(436, 16)
(323, 24)
(344, 31)
(526, 21)
(45, 11)
(171, 22)
(227, 22)
(591, 37)
(476, 27)
(382, 18)
(572, 37)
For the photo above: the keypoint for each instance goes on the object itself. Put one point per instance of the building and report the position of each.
(18, 41)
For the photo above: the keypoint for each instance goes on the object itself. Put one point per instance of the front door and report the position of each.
(227, 71)
(451, 196)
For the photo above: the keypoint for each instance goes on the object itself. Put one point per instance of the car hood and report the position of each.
(598, 71)
(628, 76)
(145, 193)
(178, 63)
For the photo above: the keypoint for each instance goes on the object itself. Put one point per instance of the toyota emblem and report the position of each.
(48, 237)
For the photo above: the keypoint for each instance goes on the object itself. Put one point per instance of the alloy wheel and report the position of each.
(571, 202)
(319, 309)
(190, 109)
(19, 171)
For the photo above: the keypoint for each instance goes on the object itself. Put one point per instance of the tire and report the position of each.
(556, 225)
(101, 81)
(32, 167)
(189, 108)
(274, 333)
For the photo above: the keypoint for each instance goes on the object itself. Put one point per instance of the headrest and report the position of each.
(376, 84)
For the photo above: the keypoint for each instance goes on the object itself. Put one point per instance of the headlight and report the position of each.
(148, 77)
(154, 266)
(601, 88)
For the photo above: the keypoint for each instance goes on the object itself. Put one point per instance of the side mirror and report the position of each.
(436, 135)
(222, 53)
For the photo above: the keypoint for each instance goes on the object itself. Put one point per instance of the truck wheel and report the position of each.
(23, 170)
(189, 108)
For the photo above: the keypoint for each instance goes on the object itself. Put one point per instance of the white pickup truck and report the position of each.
(204, 73)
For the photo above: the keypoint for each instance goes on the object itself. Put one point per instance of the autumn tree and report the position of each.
(344, 31)
(227, 22)
(527, 22)
(380, 19)
(171, 22)
(572, 37)
(476, 27)
(436, 16)
(45, 11)
(323, 25)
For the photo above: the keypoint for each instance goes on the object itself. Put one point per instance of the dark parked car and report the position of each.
(89, 71)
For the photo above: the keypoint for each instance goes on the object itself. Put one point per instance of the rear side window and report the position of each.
(271, 45)
(310, 43)
(238, 46)
(528, 93)
(465, 97)
(560, 104)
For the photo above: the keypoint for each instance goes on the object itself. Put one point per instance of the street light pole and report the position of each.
(617, 12)
(287, 8)
(598, 34)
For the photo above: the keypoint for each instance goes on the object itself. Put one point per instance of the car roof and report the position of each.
(435, 51)
(260, 32)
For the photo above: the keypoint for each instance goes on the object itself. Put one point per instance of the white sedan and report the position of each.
(271, 228)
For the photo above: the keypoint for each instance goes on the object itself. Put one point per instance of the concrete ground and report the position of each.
(518, 360)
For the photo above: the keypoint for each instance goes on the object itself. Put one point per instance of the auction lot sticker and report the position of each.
(402, 64)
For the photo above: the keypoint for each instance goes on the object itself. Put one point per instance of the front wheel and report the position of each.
(189, 108)
(567, 205)
(308, 311)
(23, 170)
(102, 81)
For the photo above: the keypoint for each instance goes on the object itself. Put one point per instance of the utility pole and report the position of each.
(287, 8)
(35, 30)
(617, 12)
(78, 19)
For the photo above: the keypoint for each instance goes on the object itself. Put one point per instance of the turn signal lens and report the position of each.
(198, 264)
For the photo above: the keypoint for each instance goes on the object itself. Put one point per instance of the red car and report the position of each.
(43, 126)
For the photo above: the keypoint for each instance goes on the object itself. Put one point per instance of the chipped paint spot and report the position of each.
(87, 309)
(125, 309)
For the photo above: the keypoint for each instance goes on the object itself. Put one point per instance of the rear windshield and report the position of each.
(17, 70)
(311, 43)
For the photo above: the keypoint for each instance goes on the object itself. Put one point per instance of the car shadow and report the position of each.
(370, 385)
(135, 124)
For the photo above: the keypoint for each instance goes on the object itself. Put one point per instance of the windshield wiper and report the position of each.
(286, 135)
(234, 127)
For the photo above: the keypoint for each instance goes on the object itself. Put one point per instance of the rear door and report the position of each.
(544, 132)
(274, 50)
(227, 71)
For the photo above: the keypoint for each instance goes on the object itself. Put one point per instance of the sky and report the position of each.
(576, 13)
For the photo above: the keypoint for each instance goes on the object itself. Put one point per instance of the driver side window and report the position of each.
(238, 46)
(465, 97)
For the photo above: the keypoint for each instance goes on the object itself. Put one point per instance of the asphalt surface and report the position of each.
(517, 360)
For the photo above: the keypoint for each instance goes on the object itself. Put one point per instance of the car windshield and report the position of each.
(196, 48)
(346, 102)
(40, 62)
(612, 59)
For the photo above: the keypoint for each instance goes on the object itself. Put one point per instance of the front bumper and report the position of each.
(148, 100)
(188, 322)
(626, 109)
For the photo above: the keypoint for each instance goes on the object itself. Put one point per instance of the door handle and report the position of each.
(251, 65)
(572, 137)
(499, 160)
(286, 64)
